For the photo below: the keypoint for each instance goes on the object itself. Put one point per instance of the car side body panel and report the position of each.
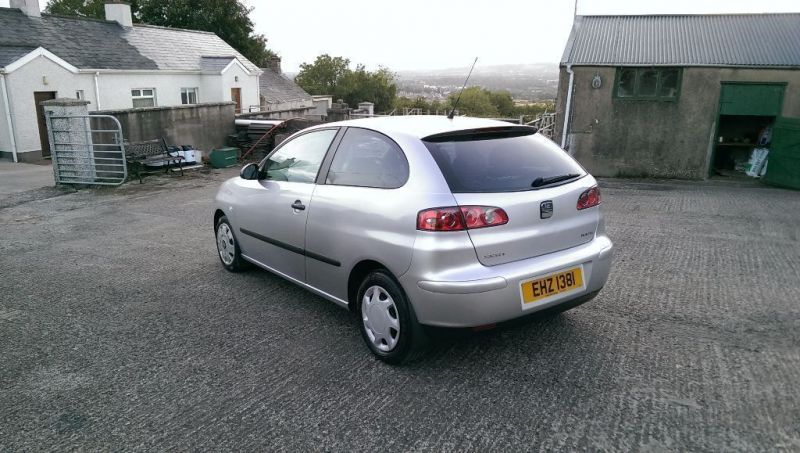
(348, 225)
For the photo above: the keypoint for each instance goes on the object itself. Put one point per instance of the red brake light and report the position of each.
(589, 198)
(457, 218)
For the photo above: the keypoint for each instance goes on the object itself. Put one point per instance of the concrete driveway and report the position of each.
(19, 177)
(119, 330)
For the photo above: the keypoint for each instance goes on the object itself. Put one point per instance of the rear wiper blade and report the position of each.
(538, 182)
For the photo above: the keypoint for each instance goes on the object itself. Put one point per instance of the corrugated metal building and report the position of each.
(684, 96)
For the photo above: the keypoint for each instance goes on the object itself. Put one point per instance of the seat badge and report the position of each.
(546, 209)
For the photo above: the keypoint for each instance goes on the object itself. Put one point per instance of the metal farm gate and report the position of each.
(87, 149)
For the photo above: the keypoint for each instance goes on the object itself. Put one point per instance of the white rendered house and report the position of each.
(114, 64)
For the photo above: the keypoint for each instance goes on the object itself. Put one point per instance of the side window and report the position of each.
(299, 160)
(368, 159)
(648, 84)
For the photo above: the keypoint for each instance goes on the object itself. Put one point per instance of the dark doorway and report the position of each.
(236, 96)
(39, 97)
(747, 111)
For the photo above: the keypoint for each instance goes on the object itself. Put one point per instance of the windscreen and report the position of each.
(502, 164)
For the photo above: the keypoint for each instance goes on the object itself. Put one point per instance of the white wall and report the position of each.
(5, 134)
(115, 92)
(24, 81)
(248, 84)
(115, 88)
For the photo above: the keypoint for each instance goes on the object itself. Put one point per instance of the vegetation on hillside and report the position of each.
(329, 75)
(477, 101)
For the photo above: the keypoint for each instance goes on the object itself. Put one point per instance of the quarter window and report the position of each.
(368, 159)
(143, 97)
(298, 160)
(648, 83)
(188, 96)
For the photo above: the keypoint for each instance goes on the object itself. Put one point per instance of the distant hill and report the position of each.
(533, 82)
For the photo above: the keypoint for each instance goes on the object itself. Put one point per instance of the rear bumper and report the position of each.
(486, 295)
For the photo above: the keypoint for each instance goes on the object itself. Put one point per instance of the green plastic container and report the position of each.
(223, 157)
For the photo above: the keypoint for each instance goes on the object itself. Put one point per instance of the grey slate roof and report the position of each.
(11, 54)
(100, 44)
(277, 88)
(771, 40)
(215, 64)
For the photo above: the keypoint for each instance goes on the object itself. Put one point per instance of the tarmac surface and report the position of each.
(120, 330)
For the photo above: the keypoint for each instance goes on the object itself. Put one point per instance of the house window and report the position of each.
(657, 84)
(144, 97)
(79, 95)
(188, 95)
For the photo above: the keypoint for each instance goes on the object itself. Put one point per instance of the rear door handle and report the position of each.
(298, 205)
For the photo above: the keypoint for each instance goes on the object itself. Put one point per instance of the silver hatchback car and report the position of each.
(420, 221)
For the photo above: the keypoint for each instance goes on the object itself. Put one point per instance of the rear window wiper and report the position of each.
(539, 182)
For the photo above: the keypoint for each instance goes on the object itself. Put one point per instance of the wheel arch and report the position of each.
(217, 215)
(357, 275)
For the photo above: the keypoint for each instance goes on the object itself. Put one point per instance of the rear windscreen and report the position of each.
(504, 164)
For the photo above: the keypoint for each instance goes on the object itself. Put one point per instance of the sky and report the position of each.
(438, 34)
(435, 34)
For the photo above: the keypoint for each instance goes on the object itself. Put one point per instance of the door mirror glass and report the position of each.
(249, 171)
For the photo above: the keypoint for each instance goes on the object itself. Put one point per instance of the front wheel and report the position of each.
(228, 247)
(387, 322)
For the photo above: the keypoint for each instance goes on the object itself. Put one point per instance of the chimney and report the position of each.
(119, 12)
(275, 64)
(28, 7)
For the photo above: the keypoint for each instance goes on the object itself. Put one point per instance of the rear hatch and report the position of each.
(534, 181)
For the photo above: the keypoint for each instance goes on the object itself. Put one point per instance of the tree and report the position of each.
(82, 8)
(324, 75)
(333, 76)
(229, 19)
(503, 101)
(475, 101)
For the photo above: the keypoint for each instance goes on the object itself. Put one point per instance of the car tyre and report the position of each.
(228, 247)
(387, 321)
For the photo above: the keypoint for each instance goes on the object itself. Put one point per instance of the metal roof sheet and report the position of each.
(771, 40)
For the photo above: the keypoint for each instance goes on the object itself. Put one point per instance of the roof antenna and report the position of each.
(453, 112)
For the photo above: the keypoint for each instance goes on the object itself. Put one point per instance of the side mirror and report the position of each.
(249, 171)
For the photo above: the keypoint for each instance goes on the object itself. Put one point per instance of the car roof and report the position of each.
(420, 126)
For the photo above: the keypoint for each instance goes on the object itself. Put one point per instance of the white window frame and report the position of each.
(187, 91)
(141, 95)
(80, 95)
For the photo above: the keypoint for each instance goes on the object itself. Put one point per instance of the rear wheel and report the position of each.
(228, 248)
(386, 319)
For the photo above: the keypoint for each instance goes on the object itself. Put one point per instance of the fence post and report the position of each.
(70, 144)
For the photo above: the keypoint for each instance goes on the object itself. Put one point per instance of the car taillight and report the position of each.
(589, 198)
(457, 218)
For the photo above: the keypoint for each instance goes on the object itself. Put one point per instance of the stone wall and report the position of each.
(204, 126)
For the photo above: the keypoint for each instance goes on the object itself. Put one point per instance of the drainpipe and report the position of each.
(568, 108)
(9, 119)
(97, 88)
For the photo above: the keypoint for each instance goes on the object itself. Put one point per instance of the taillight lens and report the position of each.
(457, 218)
(589, 198)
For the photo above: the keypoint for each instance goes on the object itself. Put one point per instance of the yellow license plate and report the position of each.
(539, 288)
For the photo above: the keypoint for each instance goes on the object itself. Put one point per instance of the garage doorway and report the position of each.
(747, 113)
(44, 140)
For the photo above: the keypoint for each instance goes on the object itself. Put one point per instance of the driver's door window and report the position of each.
(299, 160)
